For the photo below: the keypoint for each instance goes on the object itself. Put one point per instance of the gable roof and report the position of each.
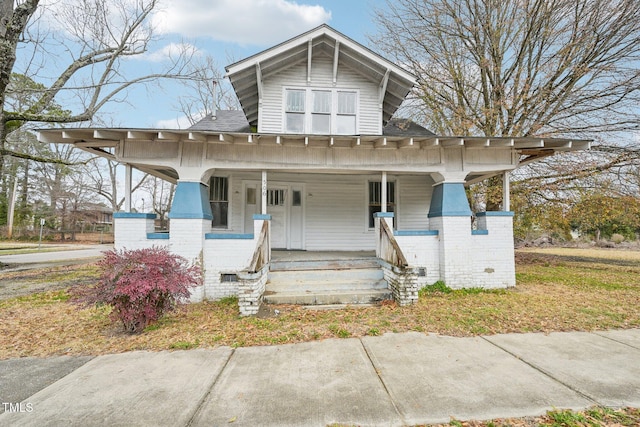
(246, 75)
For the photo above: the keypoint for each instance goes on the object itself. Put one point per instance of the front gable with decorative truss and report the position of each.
(326, 62)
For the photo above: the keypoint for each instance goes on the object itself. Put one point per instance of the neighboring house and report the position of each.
(315, 162)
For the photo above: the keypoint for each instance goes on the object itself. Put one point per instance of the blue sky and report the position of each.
(230, 30)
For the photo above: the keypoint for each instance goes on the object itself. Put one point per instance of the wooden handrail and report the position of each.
(261, 252)
(389, 249)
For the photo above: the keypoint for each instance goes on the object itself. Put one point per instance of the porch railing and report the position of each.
(262, 253)
(389, 249)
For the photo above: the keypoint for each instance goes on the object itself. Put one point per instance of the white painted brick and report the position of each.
(461, 259)
(227, 256)
(131, 233)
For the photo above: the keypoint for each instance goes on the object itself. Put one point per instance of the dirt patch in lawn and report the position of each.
(580, 255)
(18, 283)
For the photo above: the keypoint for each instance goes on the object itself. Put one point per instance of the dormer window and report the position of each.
(321, 111)
(295, 110)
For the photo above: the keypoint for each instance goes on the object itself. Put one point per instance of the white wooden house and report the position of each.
(315, 162)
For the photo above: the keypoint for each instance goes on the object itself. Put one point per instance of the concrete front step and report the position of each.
(325, 282)
(329, 277)
(305, 287)
(320, 297)
(335, 264)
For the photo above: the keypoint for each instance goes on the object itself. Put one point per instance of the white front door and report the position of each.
(285, 204)
(277, 207)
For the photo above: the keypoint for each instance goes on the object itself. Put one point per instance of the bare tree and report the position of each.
(85, 41)
(62, 62)
(525, 67)
(102, 178)
(519, 67)
(206, 93)
(161, 194)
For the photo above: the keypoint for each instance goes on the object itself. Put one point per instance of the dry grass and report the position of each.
(559, 291)
(593, 417)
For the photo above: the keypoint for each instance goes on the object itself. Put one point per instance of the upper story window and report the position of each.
(346, 117)
(321, 111)
(295, 110)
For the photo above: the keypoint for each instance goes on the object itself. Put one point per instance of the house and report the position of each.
(315, 161)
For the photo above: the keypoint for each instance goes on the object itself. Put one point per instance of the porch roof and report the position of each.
(101, 138)
(104, 141)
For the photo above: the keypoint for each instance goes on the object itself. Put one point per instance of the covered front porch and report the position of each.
(240, 195)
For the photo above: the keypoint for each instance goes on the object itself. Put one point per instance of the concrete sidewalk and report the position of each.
(392, 380)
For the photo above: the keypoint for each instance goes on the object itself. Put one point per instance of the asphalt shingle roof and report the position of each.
(405, 127)
(224, 121)
(235, 121)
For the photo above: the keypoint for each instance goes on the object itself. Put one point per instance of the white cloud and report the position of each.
(246, 22)
(181, 122)
(171, 51)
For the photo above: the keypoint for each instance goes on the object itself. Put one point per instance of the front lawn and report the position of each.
(558, 290)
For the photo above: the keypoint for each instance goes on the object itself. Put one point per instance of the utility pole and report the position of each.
(12, 205)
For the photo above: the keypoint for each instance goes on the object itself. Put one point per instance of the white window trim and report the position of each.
(309, 108)
(229, 201)
(396, 201)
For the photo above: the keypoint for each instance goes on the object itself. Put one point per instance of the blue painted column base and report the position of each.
(449, 199)
(191, 201)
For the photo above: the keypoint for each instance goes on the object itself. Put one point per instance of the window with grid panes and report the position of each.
(321, 111)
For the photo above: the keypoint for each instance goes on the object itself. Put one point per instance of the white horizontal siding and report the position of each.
(414, 196)
(336, 206)
(337, 214)
(369, 118)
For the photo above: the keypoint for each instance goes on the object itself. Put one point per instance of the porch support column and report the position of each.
(190, 220)
(450, 214)
(127, 187)
(383, 191)
(263, 209)
(506, 192)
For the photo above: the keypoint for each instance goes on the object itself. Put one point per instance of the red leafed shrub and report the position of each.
(140, 285)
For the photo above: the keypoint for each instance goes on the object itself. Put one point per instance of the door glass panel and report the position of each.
(296, 198)
(276, 197)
